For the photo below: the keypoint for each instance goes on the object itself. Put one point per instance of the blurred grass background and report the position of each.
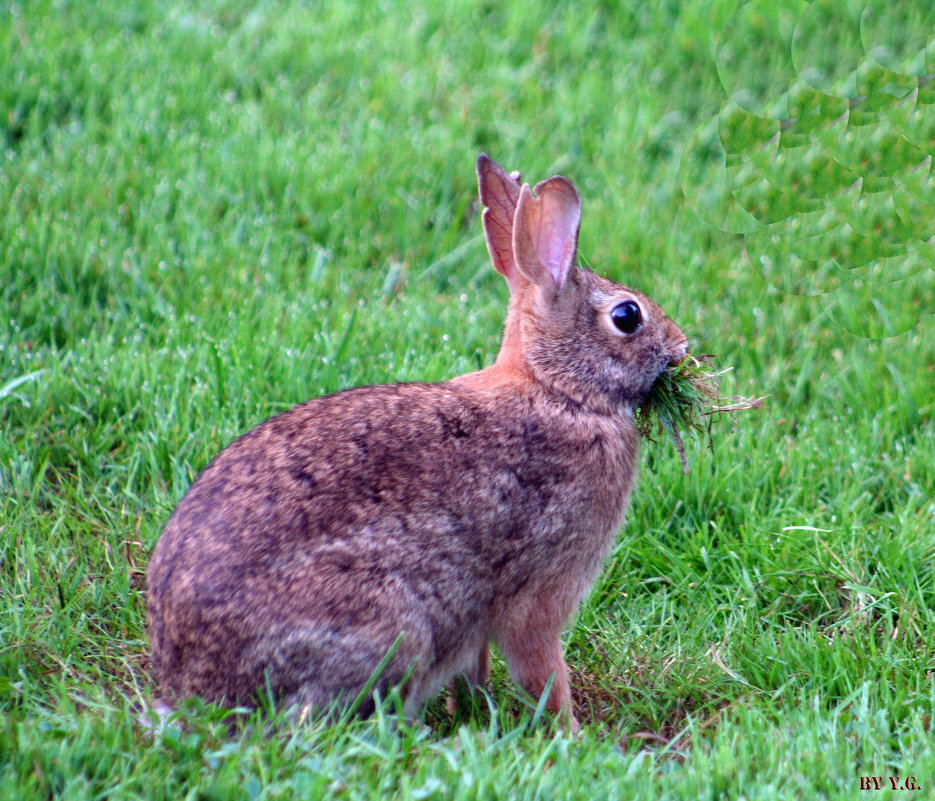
(212, 211)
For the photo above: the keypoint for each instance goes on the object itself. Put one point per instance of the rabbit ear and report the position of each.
(499, 193)
(545, 230)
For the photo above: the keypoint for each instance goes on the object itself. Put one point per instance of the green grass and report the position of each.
(212, 211)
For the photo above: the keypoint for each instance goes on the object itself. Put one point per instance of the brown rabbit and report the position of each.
(436, 517)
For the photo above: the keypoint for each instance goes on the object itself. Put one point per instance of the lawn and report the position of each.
(211, 211)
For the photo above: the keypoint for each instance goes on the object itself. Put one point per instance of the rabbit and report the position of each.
(436, 518)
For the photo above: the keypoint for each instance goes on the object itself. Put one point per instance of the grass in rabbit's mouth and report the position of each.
(687, 397)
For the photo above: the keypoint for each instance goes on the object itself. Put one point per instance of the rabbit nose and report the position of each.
(679, 353)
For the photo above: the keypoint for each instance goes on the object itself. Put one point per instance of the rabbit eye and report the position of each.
(626, 316)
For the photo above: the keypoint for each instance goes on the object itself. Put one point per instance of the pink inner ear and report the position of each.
(560, 220)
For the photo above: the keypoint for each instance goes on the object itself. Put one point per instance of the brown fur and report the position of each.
(455, 514)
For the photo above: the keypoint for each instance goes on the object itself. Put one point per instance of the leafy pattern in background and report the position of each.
(821, 154)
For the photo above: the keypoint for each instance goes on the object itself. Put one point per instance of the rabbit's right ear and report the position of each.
(545, 231)
(499, 193)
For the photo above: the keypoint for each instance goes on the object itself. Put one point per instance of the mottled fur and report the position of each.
(455, 514)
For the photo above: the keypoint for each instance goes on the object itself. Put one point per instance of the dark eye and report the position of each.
(626, 316)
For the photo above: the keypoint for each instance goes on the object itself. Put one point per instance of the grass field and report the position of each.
(212, 211)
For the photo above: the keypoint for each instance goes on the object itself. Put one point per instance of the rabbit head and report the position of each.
(579, 335)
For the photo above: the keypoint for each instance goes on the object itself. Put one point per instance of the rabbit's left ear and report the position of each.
(545, 231)
(499, 193)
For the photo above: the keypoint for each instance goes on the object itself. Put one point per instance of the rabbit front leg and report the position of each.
(477, 674)
(531, 644)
